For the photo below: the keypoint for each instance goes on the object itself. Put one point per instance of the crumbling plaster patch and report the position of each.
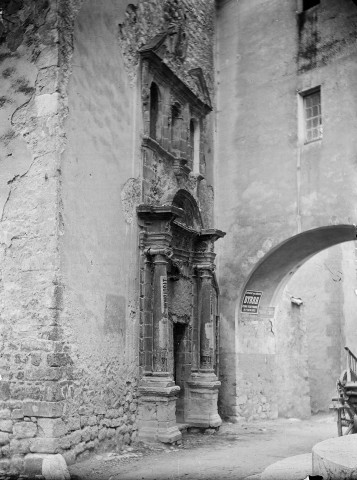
(130, 196)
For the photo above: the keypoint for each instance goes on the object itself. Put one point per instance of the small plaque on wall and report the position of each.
(251, 301)
(163, 284)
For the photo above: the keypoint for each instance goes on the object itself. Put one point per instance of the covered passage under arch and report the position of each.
(288, 355)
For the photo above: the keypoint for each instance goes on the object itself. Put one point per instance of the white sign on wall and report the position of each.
(251, 301)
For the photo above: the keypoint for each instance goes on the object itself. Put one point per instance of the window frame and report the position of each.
(303, 119)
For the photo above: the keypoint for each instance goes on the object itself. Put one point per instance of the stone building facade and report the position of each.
(109, 299)
(117, 118)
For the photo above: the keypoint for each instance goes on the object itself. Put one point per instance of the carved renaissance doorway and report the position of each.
(179, 327)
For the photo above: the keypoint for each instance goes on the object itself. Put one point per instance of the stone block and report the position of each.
(44, 445)
(74, 423)
(5, 413)
(75, 437)
(54, 467)
(24, 429)
(4, 438)
(36, 359)
(58, 359)
(100, 410)
(47, 58)
(44, 373)
(164, 414)
(5, 451)
(116, 422)
(16, 464)
(94, 432)
(46, 104)
(47, 80)
(51, 427)
(85, 410)
(65, 443)
(4, 466)
(43, 409)
(92, 420)
(20, 446)
(4, 390)
(6, 426)
(70, 457)
(33, 464)
(17, 413)
(83, 421)
(86, 434)
(79, 448)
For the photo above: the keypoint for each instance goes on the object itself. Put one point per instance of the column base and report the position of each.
(202, 408)
(157, 410)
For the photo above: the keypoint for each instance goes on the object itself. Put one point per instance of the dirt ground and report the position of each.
(236, 451)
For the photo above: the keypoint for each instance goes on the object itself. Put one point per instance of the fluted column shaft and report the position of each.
(162, 361)
(206, 322)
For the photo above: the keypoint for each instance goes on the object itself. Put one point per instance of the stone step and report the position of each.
(336, 458)
(297, 467)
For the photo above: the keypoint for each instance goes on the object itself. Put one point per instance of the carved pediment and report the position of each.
(169, 46)
(200, 81)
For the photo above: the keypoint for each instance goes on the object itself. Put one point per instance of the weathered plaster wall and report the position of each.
(99, 194)
(310, 338)
(269, 186)
(101, 175)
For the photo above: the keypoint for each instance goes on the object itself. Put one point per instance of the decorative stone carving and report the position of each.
(178, 338)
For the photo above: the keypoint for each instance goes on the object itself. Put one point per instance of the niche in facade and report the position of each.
(154, 110)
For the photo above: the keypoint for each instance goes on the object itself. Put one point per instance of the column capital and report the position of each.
(205, 267)
(161, 250)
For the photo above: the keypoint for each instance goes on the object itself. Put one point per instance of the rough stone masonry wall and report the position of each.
(34, 362)
(68, 288)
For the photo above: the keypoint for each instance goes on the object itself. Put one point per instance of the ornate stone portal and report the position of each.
(180, 327)
(178, 290)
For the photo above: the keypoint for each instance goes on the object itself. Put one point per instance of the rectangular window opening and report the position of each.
(307, 4)
(312, 115)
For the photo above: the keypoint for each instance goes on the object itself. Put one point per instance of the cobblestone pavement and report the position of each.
(236, 451)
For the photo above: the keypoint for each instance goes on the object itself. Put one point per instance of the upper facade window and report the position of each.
(307, 4)
(154, 110)
(174, 112)
(195, 145)
(312, 115)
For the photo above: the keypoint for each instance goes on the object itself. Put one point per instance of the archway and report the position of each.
(275, 344)
(274, 270)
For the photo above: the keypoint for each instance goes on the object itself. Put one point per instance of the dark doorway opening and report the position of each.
(180, 356)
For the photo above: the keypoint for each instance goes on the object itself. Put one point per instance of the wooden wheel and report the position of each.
(346, 421)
